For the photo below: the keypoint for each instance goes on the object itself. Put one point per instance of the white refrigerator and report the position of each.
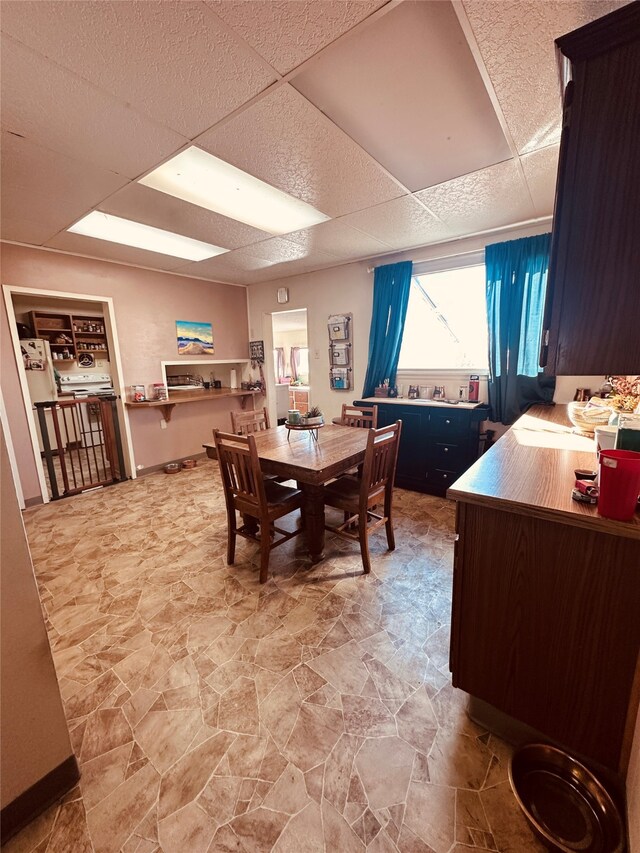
(38, 365)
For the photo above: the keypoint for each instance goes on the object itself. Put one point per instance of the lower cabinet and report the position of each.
(545, 627)
(437, 445)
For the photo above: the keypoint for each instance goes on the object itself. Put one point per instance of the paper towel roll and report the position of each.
(233, 382)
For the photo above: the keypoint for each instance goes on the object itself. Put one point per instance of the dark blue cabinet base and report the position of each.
(437, 444)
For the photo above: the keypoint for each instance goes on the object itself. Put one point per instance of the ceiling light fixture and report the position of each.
(105, 226)
(200, 178)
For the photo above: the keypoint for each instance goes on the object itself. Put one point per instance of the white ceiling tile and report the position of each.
(414, 110)
(287, 33)
(94, 248)
(401, 223)
(284, 140)
(339, 239)
(230, 265)
(516, 40)
(47, 188)
(173, 60)
(55, 108)
(486, 199)
(143, 204)
(281, 250)
(540, 171)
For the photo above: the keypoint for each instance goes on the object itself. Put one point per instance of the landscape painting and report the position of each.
(194, 338)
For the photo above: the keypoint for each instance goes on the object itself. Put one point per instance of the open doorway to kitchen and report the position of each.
(68, 364)
(291, 361)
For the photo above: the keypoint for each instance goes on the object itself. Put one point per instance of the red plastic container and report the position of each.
(619, 484)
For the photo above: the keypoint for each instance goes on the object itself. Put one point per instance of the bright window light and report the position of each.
(104, 226)
(200, 178)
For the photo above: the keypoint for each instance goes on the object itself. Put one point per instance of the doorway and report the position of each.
(291, 362)
(69, 369)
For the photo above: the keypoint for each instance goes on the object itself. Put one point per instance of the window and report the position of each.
(446, 326)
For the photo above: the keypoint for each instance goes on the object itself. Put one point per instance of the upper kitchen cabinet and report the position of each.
(592, 315)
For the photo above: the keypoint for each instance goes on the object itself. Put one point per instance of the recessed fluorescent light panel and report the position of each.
(200, 178)
(105, 226)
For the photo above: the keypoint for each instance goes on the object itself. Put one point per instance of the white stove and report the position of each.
(86, 384)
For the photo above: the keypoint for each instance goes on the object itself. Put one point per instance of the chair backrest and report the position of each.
(240, 470)
(381, 455)
(244, 423)
(360, 416)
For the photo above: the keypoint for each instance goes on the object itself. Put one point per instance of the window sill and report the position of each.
(483, 373)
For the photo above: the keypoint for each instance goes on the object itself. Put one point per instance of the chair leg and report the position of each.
(364, 542)
(391, 539)
(265, 549)
(231, 537)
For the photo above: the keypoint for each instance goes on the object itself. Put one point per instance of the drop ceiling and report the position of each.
(406, 123)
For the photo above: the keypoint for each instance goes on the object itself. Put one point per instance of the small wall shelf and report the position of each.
(179, 397)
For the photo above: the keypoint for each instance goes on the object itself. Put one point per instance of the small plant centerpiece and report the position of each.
(313, 417)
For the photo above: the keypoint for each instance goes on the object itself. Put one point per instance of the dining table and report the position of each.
(312, 463)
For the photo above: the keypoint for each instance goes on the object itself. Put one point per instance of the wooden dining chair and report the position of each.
(358, 497)
(359, 416)
(244, 423)
(247, 492)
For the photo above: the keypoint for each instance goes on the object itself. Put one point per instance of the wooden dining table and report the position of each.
(311, 463)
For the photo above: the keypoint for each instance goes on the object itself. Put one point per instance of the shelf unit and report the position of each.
(90, 336)
(48, 325)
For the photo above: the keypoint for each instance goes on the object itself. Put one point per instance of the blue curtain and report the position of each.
(391, 286)
(516, 286)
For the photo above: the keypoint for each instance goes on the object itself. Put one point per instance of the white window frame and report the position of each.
(455, 262)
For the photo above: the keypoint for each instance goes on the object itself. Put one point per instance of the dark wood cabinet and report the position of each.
(592, 315)
(437, 444)
(546, 596)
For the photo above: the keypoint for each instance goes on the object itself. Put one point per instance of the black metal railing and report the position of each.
(82, 444)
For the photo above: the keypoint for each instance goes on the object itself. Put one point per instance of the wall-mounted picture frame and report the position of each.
(256, 351)
(194, 338)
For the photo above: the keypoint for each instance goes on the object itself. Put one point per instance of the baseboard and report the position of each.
(33, 501)
(38, 797)
(153, 469)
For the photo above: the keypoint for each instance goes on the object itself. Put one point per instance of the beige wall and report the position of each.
(341, 290)
(147, 305)
(34, 734)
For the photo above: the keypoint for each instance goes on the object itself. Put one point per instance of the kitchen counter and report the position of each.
(546, 595)
(530, 470)
(405, 401)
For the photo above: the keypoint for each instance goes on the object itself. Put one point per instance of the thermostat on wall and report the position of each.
(283, 295)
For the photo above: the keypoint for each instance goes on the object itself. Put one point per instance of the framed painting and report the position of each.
(194, 338)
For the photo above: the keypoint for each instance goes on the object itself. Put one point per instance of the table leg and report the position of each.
(314, 520)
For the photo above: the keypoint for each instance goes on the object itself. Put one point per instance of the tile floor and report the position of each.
(210, 714)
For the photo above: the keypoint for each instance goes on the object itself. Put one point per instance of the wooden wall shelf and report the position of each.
(179, 397)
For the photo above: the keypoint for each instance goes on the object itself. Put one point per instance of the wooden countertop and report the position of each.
(177, 397)
(530, 471)
(404, 401)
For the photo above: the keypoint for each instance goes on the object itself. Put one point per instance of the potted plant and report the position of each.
(314, 417)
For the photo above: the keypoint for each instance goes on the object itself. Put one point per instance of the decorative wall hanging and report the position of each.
(256, 351)
(194, 338)
(340, 352)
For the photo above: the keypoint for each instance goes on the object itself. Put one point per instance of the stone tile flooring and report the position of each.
(314, 713)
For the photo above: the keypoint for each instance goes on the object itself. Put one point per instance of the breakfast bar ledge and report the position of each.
(178, 397)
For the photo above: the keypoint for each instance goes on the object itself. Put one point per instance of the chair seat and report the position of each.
(344, 493)
(278, 494)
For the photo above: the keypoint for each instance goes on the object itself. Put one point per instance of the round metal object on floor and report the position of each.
(566, 806)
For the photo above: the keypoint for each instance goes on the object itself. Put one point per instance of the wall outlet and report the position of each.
(316, 354)
(139, 467)
(163, 423)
